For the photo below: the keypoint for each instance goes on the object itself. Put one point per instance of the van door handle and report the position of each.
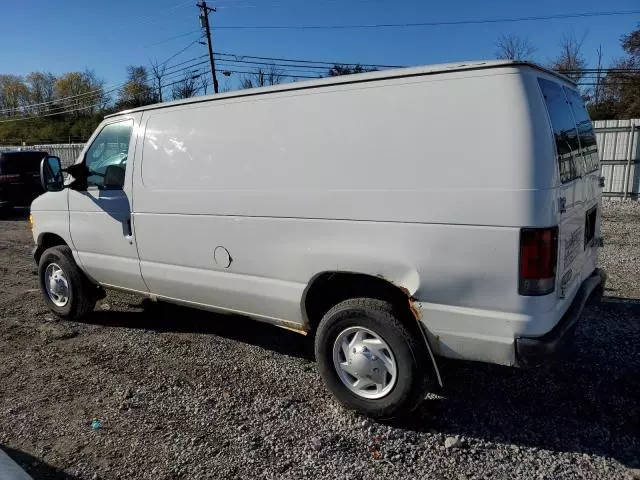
(128, 233)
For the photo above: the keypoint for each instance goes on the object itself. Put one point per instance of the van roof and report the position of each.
(354, 78)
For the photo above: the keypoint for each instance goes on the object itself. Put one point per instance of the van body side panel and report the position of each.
(416, 150)
(424, 181)
(373, 178)
(274, 258)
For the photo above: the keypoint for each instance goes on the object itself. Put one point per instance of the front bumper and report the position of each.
(532, 351)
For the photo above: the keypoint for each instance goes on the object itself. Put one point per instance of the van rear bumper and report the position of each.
(532, 351)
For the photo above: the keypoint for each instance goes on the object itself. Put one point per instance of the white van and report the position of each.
(398, 216)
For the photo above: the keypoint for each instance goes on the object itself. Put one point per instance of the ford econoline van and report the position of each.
(397, 216)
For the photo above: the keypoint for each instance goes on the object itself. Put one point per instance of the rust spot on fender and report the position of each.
(415, 310)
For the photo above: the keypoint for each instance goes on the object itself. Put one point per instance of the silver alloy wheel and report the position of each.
(364, 363)
(56, 284)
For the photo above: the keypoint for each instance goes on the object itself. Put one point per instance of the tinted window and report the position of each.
(586, 134)
(564, 131)
(21, 162)
(109, 149)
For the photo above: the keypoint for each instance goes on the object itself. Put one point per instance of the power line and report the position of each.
(253, 73)
(58, 103)
(51, 114)
(99, 91)
(308, 68)
(324, 62)
(152, 18)
(430, 24)
(173, 38)
(187, 61)
(179, 52)
(277, 70)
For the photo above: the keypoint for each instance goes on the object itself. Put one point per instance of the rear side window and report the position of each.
(564, 130)
(586, 135)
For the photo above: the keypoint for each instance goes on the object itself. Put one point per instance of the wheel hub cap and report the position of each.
(364, 362)
(56, 284)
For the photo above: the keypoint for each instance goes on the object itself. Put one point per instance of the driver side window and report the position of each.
(106, 158)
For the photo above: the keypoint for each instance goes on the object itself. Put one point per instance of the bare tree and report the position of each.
(205, 82)
(339, 69)
(263, 77)
(187, 87)
(570, 61)
(158, 71)
(512, 47)
(598, 88)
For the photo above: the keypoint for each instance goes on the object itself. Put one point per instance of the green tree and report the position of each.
(620, 88)
(14, 95)
(78, 94)
(41, 90)
(137, 91)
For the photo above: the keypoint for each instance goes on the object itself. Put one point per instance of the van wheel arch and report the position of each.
(47, 240)
(328, 289)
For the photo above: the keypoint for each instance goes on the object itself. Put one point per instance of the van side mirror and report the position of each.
(51, 174)
(114, 177)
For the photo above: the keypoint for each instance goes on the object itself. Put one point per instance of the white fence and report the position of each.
(619, 155)
(618, 145)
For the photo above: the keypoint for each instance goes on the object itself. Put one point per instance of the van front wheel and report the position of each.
(371, 361)
(67, 291)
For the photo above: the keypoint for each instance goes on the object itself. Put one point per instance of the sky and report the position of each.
(106, 36)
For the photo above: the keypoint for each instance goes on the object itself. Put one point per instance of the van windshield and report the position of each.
(569, 154)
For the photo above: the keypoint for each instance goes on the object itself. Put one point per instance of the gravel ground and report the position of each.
(181, 394)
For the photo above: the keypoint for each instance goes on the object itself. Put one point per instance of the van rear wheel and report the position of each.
(66, 290)
(369, 360)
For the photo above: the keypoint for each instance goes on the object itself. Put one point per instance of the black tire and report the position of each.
(82, 293)
(409, 350)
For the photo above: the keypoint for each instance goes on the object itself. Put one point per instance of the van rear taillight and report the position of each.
(538, 260)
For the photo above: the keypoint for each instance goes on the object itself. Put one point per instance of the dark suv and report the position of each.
(19, 178)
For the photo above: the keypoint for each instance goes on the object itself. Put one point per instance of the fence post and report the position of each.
(627, 168)
(629, 161)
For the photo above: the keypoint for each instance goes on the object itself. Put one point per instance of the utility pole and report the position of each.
(204, 21)
(597, 95)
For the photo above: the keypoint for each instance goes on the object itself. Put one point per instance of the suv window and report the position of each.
(21, 162)
(109, 149)
(564, 131)
(586, 135)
